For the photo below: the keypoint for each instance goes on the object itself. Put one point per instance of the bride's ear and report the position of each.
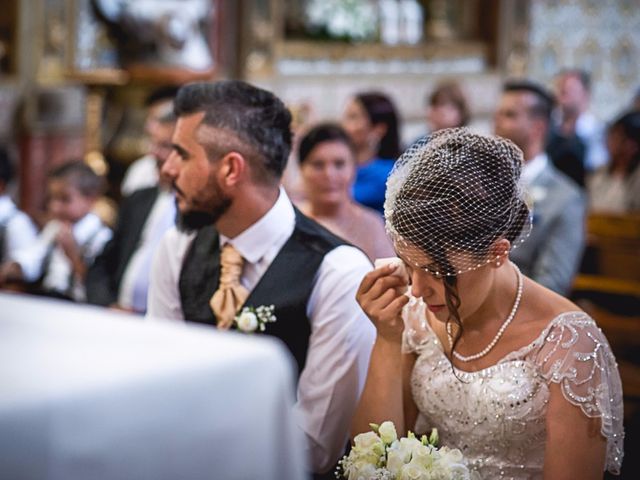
(499, 252)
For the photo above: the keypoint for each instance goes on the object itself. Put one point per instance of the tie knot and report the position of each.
(230, 266)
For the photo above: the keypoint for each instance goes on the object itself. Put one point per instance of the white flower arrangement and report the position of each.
(251, 319)
(381, 455)
(346, 19)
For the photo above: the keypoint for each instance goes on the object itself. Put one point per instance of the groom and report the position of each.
(240, 242)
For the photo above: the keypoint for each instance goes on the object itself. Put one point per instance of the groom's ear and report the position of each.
(232, 169)
(499, 252)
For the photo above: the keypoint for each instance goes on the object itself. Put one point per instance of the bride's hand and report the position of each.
(382, 297)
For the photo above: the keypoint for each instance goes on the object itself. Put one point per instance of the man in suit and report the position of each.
(119, 277)
(248, 247)
(574, 118)
(552, 253)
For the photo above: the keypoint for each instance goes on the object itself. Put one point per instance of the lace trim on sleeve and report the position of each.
(416, 330)
(576, 355)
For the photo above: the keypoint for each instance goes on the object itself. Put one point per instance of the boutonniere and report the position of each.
(251, 319)
(537, 194)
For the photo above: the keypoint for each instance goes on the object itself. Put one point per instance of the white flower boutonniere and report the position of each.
(251, 319)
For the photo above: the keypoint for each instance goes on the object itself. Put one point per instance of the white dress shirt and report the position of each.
(142, 173)
(592, 133)
(90, 235)
(19, 230)
(341, 335)
(135, 279)
(534, 167)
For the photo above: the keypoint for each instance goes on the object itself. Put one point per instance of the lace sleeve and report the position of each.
(576, 355)
(415, 326)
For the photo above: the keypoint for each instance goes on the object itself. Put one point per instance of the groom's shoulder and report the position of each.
(316, 236)
(339, 254)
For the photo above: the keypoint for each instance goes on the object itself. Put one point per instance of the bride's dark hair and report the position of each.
(458, 193)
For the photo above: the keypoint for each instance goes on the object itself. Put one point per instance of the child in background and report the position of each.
(16, 228)
(56, 263)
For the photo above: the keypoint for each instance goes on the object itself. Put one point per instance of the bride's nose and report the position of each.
(422, 284)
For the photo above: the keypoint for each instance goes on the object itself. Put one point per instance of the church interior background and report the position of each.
(72, 86)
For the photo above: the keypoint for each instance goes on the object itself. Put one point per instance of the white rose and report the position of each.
(395, 461)
(387, 432)
(409, 445)
(412, 471)
(362, 471)
(423, 456)
(247, 322)
(453, 461)
(450, 455)
(368, 444)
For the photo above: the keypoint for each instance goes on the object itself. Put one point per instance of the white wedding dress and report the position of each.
(496, 416)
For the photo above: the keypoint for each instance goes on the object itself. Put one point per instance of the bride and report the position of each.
(514, 375)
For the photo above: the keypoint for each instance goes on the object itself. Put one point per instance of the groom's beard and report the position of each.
(206, 213)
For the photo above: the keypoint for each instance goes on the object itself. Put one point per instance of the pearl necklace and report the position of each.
(505, 324)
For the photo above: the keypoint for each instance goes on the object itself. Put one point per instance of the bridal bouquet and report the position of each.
(381, 455)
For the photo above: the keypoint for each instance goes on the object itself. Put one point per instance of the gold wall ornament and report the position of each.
(439, 25)
(625, 63)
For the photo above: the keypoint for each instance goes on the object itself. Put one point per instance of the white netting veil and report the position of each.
(450, 196)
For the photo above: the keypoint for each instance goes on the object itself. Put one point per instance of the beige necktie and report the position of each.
(231, 295)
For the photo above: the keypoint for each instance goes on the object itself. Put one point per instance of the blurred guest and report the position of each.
(119, 277)
(447, 107)
(328, 166)
(56, 263)
(16, 228)
(573, 92)
(143, 172)
(615, 188)
(371, 121)
(551, 254)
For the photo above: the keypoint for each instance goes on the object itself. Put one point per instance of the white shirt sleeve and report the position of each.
(163, 301)
(20, 232)
(31, 257)
(338, 357)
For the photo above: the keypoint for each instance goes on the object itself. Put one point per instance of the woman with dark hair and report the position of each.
(517, 377)
(371, 121)
(447, 107)
(615, 188)
(327, 167)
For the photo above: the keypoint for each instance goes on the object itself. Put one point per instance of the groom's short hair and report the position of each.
(255, 117)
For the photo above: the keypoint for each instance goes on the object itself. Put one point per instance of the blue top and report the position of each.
(370, 183)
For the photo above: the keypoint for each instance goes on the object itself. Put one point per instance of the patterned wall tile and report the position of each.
(602, 36)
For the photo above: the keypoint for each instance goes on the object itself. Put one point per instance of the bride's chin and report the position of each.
(441, 315)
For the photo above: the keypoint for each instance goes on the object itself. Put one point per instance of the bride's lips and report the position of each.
(435, 308)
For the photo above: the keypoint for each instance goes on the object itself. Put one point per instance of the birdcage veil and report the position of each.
(452, 195)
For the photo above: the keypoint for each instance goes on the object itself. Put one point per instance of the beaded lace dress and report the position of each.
(496, 416)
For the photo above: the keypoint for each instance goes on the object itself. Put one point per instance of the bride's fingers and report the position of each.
(380, 286)
(373, 276)
(384, 308)
(396, 306)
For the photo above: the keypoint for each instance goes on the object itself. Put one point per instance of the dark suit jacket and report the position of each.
(552, 253)
(104, 276)
(568, 154)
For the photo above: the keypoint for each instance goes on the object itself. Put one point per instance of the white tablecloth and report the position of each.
(91, 394)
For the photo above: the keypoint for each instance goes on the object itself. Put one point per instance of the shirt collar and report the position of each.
(276, 224)
(533, 168)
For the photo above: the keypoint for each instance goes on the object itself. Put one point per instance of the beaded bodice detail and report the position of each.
(497, 415)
